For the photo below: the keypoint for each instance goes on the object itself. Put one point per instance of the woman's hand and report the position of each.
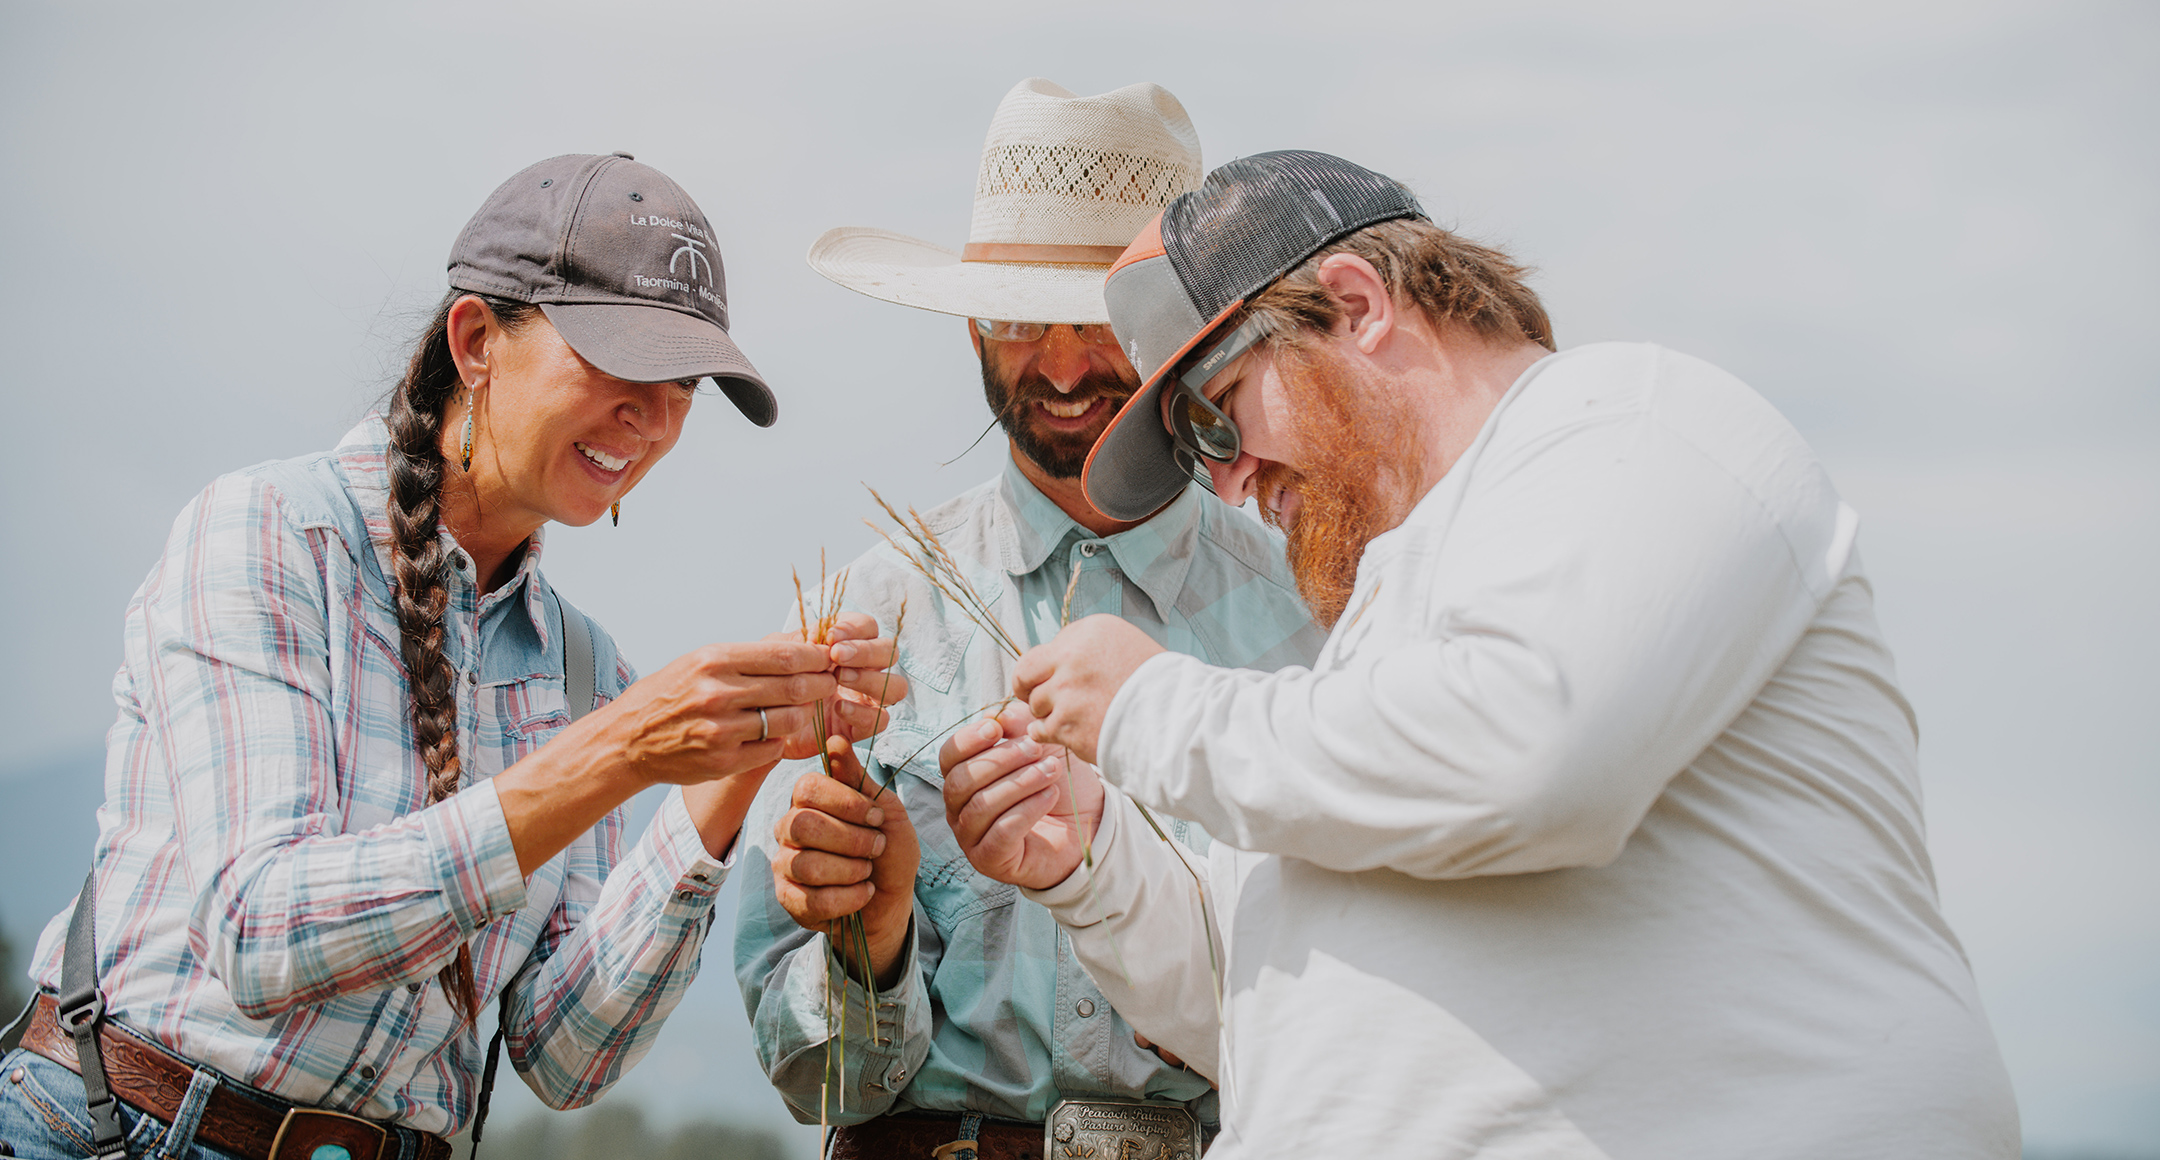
(699, 718)
(1023, 812)
(694, 723)
(846, 847)
(862, 664)
(861, 682)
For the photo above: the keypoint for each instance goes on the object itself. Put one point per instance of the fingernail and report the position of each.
(876, 816)
(877, 847)
(848, 675)
(1029, 747)
(843, 653)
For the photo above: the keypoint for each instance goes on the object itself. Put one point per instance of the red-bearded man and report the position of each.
(1595, 829)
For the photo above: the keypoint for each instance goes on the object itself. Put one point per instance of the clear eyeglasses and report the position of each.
(1097, 333)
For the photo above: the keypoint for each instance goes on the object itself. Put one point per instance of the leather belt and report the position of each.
(919, 1135)
(260, 1127)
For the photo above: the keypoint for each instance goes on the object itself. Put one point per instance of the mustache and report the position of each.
(1033, 385)
(1272, 478)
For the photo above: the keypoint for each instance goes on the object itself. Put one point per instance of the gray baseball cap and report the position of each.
(622, 263)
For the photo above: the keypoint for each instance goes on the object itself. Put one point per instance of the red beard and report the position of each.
(1354, 489)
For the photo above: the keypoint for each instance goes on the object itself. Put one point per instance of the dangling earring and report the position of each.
(615, 514)
(465, 460)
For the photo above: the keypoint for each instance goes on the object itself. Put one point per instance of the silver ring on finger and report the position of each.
(764, 726)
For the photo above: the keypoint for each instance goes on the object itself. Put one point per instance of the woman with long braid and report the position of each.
(350, 803)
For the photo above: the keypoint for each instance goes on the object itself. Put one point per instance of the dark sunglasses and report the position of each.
(1198, 425)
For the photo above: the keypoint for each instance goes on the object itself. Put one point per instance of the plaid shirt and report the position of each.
(993, 1013)
(274, 894)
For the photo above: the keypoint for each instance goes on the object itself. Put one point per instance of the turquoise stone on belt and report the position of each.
(330, 1152)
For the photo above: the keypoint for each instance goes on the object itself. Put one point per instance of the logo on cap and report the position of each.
(690, 246)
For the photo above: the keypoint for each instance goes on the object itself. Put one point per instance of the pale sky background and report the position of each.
(1926, 231)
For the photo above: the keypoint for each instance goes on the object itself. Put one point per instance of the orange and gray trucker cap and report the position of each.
(1201, 259)
(622, 263)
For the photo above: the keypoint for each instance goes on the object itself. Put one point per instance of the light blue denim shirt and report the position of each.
(993, 1013)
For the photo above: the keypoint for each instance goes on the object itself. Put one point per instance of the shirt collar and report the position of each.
(1155, 554)
(362, 457)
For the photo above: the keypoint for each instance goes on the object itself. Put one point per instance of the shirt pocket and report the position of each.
(947, 885)
(532, 711)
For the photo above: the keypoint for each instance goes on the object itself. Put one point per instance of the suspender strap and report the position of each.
(487, 1074)
(580, 675)
(82, 1011)
(580, 683)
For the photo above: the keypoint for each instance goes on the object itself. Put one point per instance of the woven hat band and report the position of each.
(1028, 252)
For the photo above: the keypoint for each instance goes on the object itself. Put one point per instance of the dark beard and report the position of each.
(1354, 491)
(1059, 454)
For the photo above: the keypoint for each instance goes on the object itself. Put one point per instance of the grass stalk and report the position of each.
(923, 550)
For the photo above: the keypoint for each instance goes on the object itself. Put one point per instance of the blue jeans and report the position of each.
(44, 1115)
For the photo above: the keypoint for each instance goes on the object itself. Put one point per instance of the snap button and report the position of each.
(457, 560)
(472, 678)
(15, 1076)
(367, 1072)
(699, 878)
(899, 1074)
(685, 895)
(330, 1152)
(1085, 1007)
(1090, 548)
(413, 987)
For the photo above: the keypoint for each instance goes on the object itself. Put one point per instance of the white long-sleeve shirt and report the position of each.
(1594, 831)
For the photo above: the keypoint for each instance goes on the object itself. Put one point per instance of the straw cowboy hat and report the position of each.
(1066, 183)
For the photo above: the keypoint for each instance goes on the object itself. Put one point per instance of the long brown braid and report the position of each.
(418, 407)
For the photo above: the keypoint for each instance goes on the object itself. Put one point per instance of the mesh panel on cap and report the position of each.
(1255, 219)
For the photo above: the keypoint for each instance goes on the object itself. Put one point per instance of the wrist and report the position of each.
(718, 808)
(890, 962)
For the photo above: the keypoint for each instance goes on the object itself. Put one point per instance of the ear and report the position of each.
(472, 327)
(974, 336)
(1368, 308)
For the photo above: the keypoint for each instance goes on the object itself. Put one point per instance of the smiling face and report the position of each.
(554, 438)
(1326, 463)
(1054, 396)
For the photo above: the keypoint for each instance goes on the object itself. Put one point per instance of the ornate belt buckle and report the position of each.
(1106, 1129)
(319, 1134)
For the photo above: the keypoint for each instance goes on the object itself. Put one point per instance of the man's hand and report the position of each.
(1023, 811)
(846, 846)
(1068, 683)
(861, 663)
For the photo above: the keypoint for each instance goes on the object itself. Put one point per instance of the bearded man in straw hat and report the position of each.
(1595, 831)
(989, 1036)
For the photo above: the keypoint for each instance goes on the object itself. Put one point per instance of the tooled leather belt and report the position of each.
(1098, 1128)
(921, 1135)
(260, 1127)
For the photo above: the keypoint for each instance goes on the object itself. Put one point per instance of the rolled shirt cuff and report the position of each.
(475, 861)
(894, 1008)
(681, 854)
(1130, 697)
(1065, 899)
